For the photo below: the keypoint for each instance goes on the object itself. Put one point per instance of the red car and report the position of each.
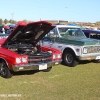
(21, 50)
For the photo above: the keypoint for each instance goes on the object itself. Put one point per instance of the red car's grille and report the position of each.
(40, 58)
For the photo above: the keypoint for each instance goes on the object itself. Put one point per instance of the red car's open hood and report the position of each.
(29, 33)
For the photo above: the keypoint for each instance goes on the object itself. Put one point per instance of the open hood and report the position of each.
(29, 33)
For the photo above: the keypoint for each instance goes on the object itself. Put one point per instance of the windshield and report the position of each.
(72, 32)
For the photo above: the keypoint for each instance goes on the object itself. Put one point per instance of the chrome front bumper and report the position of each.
(91, 57)
(41, 66)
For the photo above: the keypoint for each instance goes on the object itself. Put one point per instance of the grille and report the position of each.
(42, 58)
(93, 49)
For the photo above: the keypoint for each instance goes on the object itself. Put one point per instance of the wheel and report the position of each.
(47, 70)
(69, 58)
(4, 71)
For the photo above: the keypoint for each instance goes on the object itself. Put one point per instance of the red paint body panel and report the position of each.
(54, 51)
(15, 59)
(10, 56)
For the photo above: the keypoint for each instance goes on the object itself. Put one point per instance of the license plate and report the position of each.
(98, 57)
(56, 63)
(43, 66)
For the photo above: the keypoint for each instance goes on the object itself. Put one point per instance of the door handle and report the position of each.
(59, 46)
(50, 43)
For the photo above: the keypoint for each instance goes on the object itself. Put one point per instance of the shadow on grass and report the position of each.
(85, 62)
(25, 72)
(80, 63)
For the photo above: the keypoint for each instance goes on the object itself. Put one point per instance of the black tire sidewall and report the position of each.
(7, 71)
(73, 63)
(48, 69)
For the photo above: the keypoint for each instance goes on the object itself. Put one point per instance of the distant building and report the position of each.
(58, 21)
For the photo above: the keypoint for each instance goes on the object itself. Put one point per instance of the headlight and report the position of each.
(85, 50)
(54, 56)
(24, 59)
(59, 56)
(18, 60)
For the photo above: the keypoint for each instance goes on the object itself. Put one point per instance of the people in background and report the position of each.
(3, 30)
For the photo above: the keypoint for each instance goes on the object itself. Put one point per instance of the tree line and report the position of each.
(5, 21)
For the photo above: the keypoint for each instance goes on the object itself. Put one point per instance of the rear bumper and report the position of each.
(41, 66)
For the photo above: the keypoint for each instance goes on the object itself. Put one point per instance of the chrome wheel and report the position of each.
(69, 58)
(2, 69)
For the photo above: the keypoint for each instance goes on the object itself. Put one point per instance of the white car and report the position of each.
(73, 43)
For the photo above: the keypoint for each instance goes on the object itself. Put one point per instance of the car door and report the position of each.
(50, 40)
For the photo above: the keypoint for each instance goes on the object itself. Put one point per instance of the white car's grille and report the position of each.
(93, 49)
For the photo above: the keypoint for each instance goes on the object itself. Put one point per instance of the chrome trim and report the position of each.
(93, 49)
(24, 67)
(88, 57)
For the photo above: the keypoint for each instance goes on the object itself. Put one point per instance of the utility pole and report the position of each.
(12, 14)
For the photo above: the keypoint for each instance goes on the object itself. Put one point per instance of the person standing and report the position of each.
(3, 30)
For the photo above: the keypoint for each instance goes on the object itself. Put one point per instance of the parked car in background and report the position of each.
(94, 34)
(3, 35)
(20, 51)
(73, 43)
(4, 31)
(1, 26)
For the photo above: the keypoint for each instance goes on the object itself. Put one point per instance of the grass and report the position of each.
(61, 83)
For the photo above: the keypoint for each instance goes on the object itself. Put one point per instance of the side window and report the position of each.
(53, 33)
(98, 36)
(88, 35)
(46, 38)
(93, 35)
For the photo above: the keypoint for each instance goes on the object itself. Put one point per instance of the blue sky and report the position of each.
(34, 10)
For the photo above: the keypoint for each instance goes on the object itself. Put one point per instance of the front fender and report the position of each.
(76, 49)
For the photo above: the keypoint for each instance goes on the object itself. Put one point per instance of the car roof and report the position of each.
(68, 26)
(91, 31)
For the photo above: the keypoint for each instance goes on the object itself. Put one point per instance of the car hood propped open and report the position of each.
(29, 33)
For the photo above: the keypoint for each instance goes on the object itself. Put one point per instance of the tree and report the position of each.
(10, 21)
(97, 23)
(14, 22)
(6, 21)
(1, 21)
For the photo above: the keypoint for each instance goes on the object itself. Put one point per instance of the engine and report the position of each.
(24, 48)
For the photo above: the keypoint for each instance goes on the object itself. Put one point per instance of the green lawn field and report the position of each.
(61, 83)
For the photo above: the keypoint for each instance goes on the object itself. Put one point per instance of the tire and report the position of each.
(69, 58)
(4, 71)
(47, 70)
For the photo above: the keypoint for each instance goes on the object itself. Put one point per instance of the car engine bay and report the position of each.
(33, 52)
(22, 48)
